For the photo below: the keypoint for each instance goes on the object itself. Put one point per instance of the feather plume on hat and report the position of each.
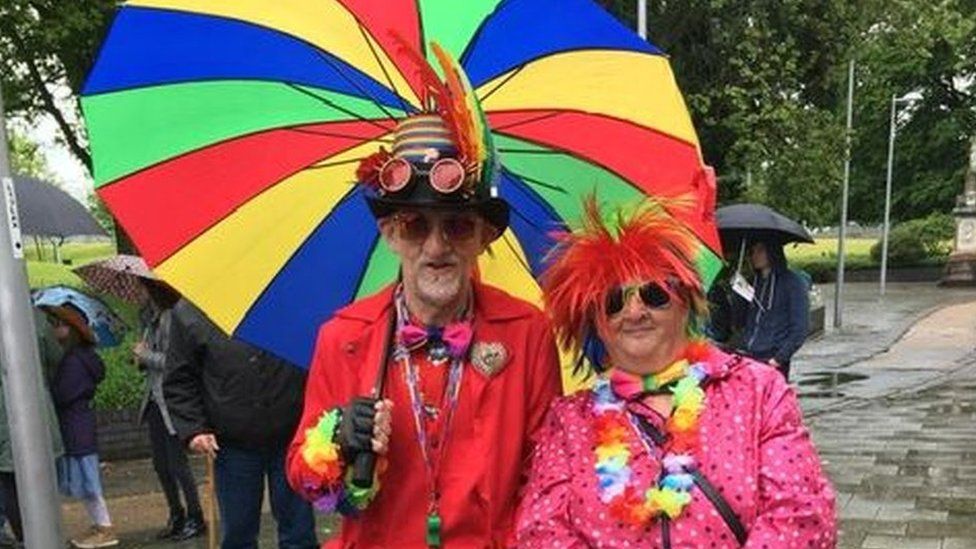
(642, 245)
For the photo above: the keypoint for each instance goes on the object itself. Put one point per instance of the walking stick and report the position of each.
(211, 504)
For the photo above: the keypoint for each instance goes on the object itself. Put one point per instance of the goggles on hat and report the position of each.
(651, 294)
(445, 176)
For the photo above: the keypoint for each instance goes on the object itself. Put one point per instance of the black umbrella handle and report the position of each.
(365, 463)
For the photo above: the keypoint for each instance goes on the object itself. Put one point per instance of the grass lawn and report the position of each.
(826, 248)
(48, 273)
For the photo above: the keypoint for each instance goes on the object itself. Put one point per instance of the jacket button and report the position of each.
(349, 347)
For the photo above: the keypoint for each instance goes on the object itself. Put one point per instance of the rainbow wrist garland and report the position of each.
(328, 483)
(615, 432)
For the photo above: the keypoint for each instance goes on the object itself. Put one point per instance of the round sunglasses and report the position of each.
(651, 294)
(416, 227)
(445, 176)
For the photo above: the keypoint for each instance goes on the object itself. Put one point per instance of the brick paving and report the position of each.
(905, 467)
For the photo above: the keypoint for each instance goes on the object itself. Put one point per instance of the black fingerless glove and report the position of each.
(355, 434)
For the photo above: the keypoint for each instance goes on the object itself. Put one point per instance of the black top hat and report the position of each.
(442, 159)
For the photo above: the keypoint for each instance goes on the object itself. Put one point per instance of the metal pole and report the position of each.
(887, 210)
(30, 437)
(842, 233)
(642, 18)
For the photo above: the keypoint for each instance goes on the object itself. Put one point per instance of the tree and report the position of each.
(46, 49)
(765, 81)
(760, 78)
(929, 49)
(26, 157)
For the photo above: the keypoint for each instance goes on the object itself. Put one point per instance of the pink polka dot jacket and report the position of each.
(754, 450)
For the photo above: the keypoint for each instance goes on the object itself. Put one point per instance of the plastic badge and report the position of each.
(13, 218)
(742, 287)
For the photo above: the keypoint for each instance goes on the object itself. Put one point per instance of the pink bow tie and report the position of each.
(455, 336)
(626, 386)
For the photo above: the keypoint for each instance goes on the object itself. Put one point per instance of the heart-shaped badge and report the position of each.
(489, 358)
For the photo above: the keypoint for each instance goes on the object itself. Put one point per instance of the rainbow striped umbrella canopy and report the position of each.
(226, 135)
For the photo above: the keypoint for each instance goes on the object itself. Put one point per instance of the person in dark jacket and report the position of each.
(168, 454)
(240, 406)
(49, 352)
(73, 389)
(778, 315)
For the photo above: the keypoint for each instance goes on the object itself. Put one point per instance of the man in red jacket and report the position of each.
(468, 371)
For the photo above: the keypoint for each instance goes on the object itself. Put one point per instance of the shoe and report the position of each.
(194, 527)
(98, 536)
(173, 526)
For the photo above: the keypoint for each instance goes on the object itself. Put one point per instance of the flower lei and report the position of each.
(330, 485)
(614, 430)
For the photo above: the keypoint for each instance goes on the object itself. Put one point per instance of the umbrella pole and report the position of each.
(365, 463)
(211, 504)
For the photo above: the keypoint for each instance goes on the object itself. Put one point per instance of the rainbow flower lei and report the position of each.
(327, 482)
(614, 432)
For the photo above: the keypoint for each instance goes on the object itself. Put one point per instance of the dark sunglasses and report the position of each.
(417, 227)
(651, 294)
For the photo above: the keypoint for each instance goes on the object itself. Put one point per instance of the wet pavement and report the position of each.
(853, 363)
(894, 422)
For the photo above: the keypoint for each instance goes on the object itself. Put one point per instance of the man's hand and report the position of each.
(205, 443)
(365, 427)
(772, 362)
(382, 426)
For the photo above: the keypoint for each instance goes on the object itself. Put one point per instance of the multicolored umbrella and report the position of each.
(226, 135)
(107, 327)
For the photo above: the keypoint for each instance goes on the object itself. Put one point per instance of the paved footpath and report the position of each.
(890, 400)
(897, 434)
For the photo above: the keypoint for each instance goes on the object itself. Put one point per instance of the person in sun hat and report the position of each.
(73, 389)
(677, 444)
(445, 378)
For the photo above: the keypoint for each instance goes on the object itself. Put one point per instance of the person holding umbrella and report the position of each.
(443, 376)
(774, 309)
(127, 277)
(169, 457)
(777, 319)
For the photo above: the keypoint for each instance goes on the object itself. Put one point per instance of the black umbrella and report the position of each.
(46, 210)
(756, 222)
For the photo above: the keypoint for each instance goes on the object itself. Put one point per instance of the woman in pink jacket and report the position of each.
(677, 444)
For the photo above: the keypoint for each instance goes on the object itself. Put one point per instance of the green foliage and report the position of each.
(912, 242)
(46, 45)
(123, 383)
(26, 157)
(766, 82)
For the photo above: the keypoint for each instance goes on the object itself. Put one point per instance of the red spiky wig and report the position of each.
(644, 245)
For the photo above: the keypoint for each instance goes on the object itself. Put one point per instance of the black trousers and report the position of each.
(11, 507)
(172, 466)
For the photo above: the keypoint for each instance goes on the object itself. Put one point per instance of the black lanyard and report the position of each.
(706, 487)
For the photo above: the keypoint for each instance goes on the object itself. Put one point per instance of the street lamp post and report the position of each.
(642, 18)
(887, 211)
(842, 230)
(31, 444)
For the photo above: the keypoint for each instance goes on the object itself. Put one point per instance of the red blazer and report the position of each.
(489, 446)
